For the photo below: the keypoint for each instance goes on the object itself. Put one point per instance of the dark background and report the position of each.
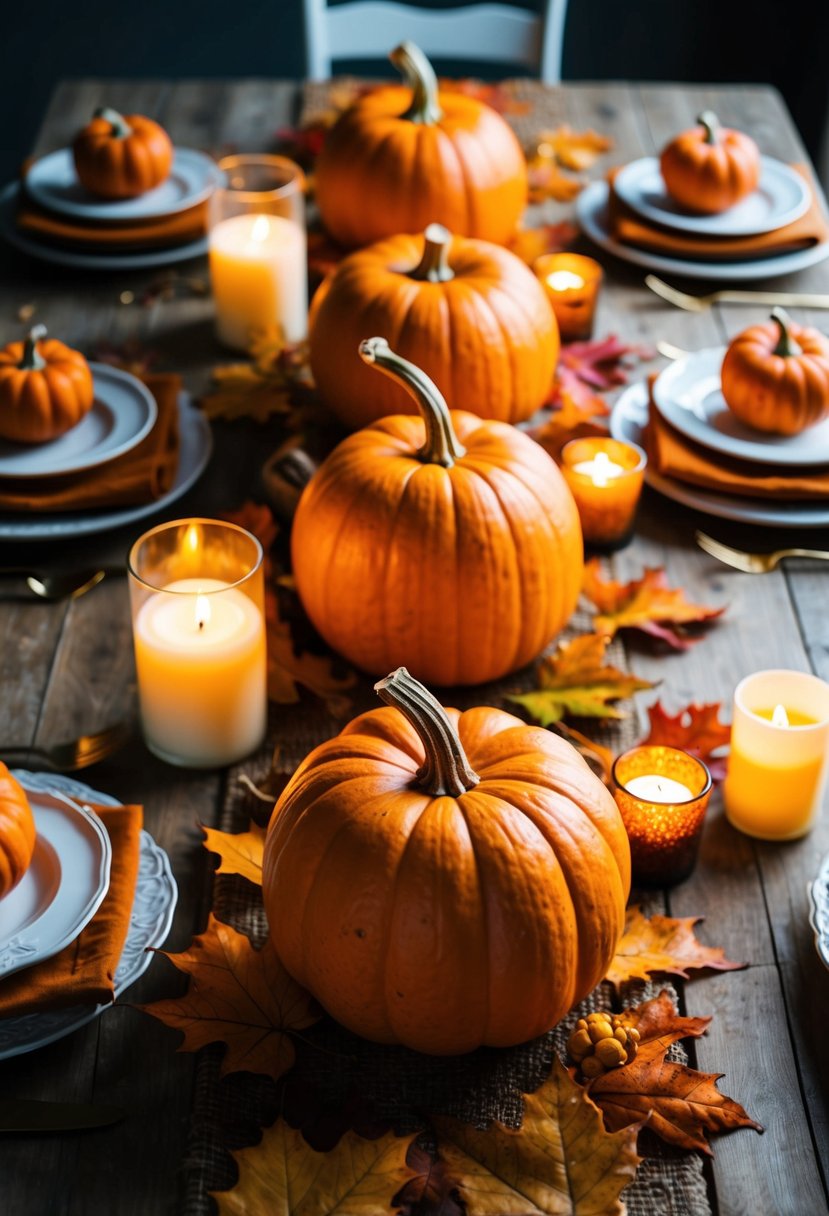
(780, 42)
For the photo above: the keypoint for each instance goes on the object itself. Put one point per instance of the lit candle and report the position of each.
(779, 753)
(564, 280)
(600, 469)
(572, 283)
(653, 788)
(605, 478)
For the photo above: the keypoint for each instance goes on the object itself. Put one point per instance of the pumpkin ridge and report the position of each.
(483, 903)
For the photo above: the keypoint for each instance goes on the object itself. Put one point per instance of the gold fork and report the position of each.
(72, 755)
(789, 299)
(753, 563)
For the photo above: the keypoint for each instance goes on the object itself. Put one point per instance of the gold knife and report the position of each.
(27, 1115)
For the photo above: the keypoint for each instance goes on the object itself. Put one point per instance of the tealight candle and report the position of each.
(662, 794)
(779, 754)
(605, 477)
(572, 283)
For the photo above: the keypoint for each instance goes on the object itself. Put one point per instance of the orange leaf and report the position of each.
(289, 666)
(696, 729)
(546, 180)
(663, 943)
(657, 1018)
(647, 604)
(577, 150)
(238, 996)
(240, 852)
(531, 243)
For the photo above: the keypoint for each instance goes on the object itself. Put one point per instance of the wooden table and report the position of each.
(67, 668)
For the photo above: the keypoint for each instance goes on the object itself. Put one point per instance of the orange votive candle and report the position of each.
(572, 283)
(605, 477)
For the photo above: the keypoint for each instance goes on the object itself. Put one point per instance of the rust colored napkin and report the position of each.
(631, 229)
(176, 229)
(83, 973)
(139, 476)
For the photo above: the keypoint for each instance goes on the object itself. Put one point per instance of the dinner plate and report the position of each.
(122, 414)
(195, 446)
(628, 421)
(52, 183)
(781, 197)
(591, 212)
(150, 921)
(63, 887)
(819, 912)
(688, 394)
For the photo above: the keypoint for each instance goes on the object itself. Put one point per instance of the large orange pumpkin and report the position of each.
(445, 880)
(403, 157)
(775, 377)
(122, 155)
(45, 388)
(471, 314)
(710, 168)
(446, 542)
(17, 832)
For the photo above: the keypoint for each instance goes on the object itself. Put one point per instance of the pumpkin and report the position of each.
(446, 542)
(17, 832)
(402, 157)
(45, 388)
(775, 377)
(445, 880)
(470, 314)
(710, 168)
(122, 155)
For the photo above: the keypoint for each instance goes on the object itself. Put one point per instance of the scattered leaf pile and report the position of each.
(557, 160)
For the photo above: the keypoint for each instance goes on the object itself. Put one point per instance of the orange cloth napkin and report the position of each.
(176, 229)
(631, 229)
(139, 476)
(83, 973)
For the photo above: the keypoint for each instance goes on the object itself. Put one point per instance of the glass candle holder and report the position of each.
(605, 477)
(197, 595)
(572, 283)
(257, 250)
(662, 794)
(779, 754)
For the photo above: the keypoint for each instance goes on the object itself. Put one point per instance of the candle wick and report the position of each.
(201, 626)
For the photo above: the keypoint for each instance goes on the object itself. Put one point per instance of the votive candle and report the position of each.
(572, 283)
(605, 477)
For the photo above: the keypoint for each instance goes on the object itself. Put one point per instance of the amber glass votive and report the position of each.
(572, 283)
(662, 794)
(605, 477)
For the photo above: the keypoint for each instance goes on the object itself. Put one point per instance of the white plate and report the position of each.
(63, 887)
(83, 260)
(52, 183)
(688, 394)
(152, 916)
(628, 421)
(122, 414)
(781, 197)
(591, 212)
(195, 446)
(819, 913)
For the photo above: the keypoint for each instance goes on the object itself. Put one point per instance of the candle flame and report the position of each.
(601, 469)
(564, 280)
(192, 539)
(261, 228)
(780, 717)
(202, 611)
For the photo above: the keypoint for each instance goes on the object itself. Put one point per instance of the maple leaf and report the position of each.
(560, 1161)
(577, 150)
(431, 1192)
(283, 1176)
(263, 386)
(240, 852)
(288, 666)
(576, 680)
(531, 243)
(603, 363)
(238, 996)
(695, 729)
(663, 943)
(546, 180)
(657, 1018)
(647, 604)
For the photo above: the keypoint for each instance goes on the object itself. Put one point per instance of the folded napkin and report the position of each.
(631, 229)
(141, 475)
(167, 230)
(672, 455)
(83, 973)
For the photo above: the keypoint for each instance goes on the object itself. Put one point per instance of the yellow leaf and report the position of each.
(663, 943)
(240, 852)
(576, 680)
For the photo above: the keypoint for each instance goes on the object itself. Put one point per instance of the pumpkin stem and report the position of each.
(32, 360)
(709, 121)
(420, 77)
(120, 127)
(442, 445)
(446, 769)
(786, 344)
(434, 266)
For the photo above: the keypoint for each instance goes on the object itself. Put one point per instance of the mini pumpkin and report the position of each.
(45, 388)
(446, 541)
(470, 314)
(122, 155)
(402, 157)
(710, 168)
(775, 377)
(17, 832)
(443, 879)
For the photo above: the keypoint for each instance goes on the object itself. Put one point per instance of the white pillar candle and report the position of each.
(652, 787)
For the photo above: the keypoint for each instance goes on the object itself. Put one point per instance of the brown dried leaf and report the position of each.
(240, 852)
(657, 1018)
(647, 604)
(289, 666)
(663, 943)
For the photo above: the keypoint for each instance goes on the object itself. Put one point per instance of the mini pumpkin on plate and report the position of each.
(45, 388)
(122, 155)
(710, 168)
(17, 832)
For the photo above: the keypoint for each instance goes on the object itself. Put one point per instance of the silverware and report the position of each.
(790, 299)
(72, 755)
(753, 563)
(66, 585)
(25, 1115)
(669, 351)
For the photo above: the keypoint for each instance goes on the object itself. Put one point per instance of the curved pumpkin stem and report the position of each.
(434, 266)
(446, 769)
(786, 344)
(709, 121)
(32, 360)
(442, 445)
(421, 78)
(120, 127)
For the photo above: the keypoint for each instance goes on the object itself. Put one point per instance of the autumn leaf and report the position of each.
(531, 243)
(663, 943)
(576, 150)
(131, 356)
(587, 369)
(261, 387)
(238, 996)
(696, 729)
(562, 149)
(561, 1161)
(289, 666)
(576, 680)
(431, 1192)
(283, 1176)
(545, 179)
(647, 604)
(257, 519)
(572, 420)
(657, 1018)
(240, 852)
